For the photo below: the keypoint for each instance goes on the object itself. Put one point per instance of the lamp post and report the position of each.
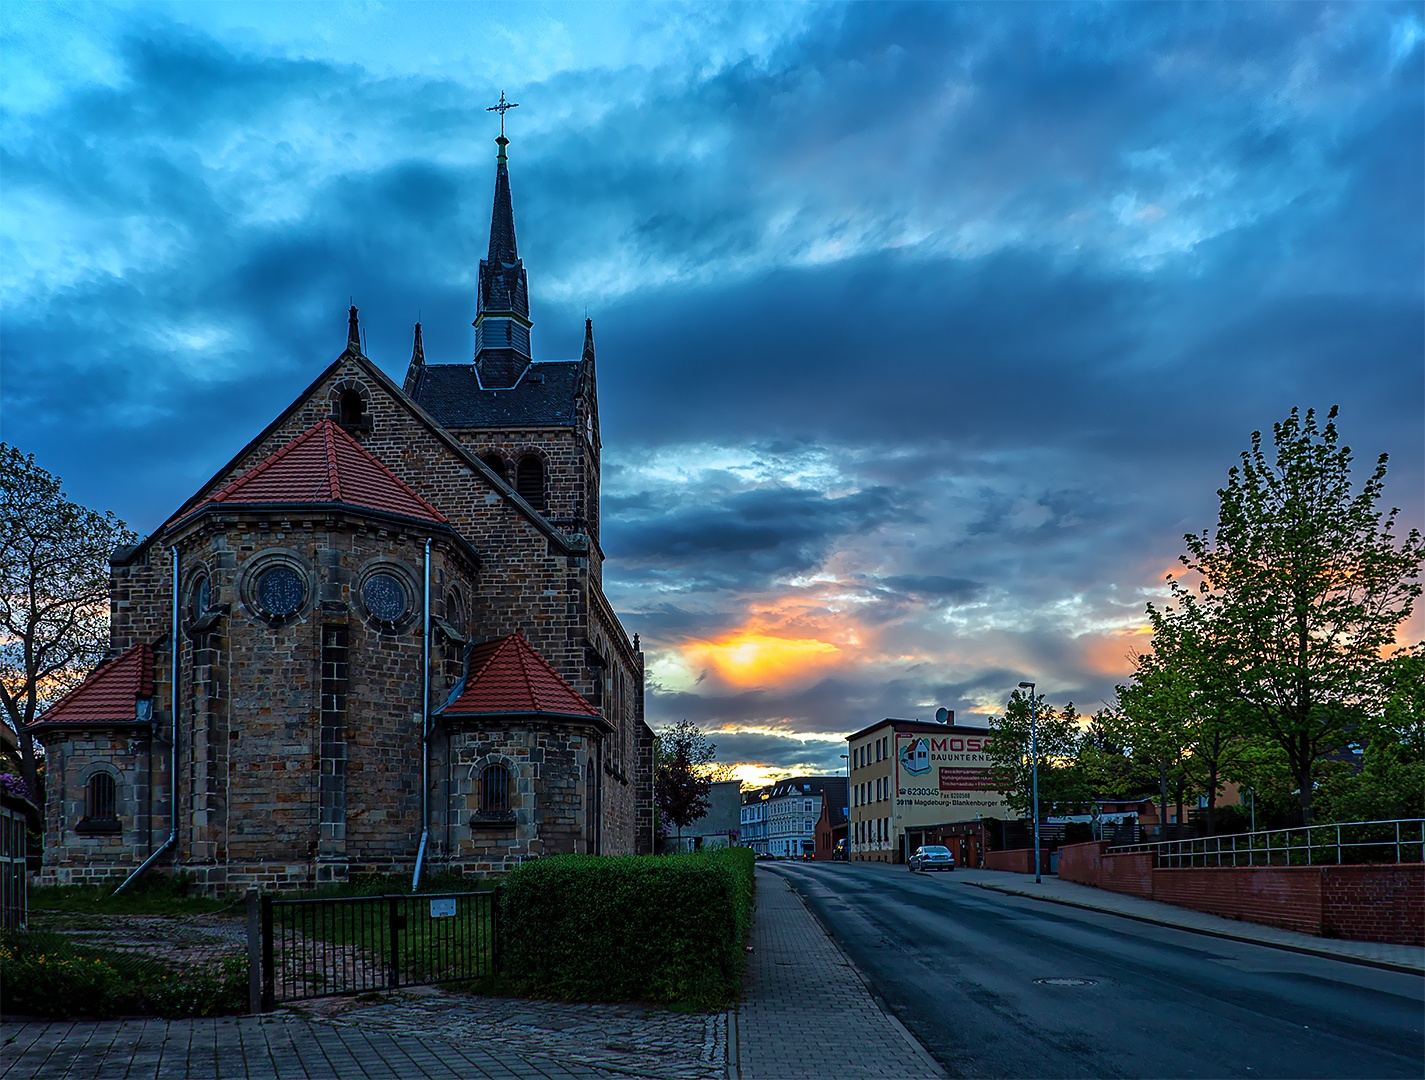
(846, 758)
(1034, 772)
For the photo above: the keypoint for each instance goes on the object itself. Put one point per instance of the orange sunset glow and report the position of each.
(752, 659)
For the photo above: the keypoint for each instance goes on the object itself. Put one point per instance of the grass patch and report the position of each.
(45, 974)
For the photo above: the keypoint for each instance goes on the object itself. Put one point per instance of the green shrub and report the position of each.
(43, 974)
(667, 929)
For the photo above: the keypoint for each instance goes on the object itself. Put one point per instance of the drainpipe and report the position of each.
(173, 762)
(425, 732)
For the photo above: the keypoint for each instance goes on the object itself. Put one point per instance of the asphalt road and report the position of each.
(959, 965)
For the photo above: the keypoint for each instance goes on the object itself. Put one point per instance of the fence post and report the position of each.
(495, 929)
(268, 967)
(254, 952)
(392, 931)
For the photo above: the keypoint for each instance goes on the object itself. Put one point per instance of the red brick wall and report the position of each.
(1131, 874)
(1374, 903)
(1016, 860)
(1080, 862)
(1284, 896)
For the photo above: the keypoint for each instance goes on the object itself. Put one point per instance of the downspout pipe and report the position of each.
(425, 732)
(173, 746)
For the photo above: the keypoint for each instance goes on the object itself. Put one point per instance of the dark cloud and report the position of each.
(940, 322)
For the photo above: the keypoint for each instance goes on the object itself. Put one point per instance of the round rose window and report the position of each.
(280, 591)
(384, 597)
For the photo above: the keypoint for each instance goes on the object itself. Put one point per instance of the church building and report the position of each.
(376, 641)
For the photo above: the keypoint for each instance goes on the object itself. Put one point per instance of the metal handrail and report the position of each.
(1335, 843)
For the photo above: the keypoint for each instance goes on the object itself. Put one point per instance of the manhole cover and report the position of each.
(1065, 982)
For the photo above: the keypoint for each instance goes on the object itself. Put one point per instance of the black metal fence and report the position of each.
(352, 945)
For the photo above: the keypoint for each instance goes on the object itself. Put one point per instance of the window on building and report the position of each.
(101, 801)
(497, 465)
(351, 410)
(529, 480)
(495, 788)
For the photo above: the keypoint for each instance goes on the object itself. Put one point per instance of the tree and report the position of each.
(54, 593)
(1299, 593)
(683, 770)
(1063, 783)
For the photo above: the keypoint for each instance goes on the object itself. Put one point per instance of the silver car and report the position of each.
(931, 857)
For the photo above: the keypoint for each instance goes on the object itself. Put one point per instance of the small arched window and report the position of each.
(351, 410)
(497, 465)
(101, 798)
(494, 788)
(529, 480)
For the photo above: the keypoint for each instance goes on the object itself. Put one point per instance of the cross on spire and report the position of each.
(502, 108)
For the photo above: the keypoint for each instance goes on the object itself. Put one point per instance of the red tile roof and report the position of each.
(326, 465)
(507, 677)
(110, 693)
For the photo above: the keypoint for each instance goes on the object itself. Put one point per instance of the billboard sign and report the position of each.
(942, 778)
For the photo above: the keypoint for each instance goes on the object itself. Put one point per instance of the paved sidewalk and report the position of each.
(805, 1011)
(255, 1048)
(1407, 958)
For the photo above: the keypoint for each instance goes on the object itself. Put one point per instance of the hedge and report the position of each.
(667, 929)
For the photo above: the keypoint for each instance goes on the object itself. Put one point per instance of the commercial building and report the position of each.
(718, 827)
(910, 776)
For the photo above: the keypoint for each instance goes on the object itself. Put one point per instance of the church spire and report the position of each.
(502, 326)
(418, 364)
(353, 332)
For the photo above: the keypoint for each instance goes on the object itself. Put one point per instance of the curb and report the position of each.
(934, 1067)
(1325, 954)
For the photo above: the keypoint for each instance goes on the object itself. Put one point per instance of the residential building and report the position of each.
(832, 823)
(912, 774)
(792, 809)
(754, 818)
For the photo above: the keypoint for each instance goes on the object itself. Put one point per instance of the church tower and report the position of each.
(535, 423)
(502, 326)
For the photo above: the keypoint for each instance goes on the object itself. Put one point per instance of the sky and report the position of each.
(924, 332)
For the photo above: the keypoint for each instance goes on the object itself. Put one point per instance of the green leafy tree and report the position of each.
(683, 772)
(1391, 780)
(1063, 782)
(1299, 592)
(54, 593)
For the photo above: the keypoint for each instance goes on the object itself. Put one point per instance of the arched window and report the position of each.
(494, 788)
(351, 410)
(529, 480)
(101, 806)
(497, 465)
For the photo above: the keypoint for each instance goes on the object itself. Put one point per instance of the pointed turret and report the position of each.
(589, 341)
(502, 349)
(418, 364)
(353, 332)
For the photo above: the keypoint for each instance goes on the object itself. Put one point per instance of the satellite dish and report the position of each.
(942, 715)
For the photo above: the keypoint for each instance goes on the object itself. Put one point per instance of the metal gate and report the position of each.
(351, 945)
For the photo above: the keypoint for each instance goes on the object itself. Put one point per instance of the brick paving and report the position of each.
(260, 1048)
(805, 1011)
(1407, 958)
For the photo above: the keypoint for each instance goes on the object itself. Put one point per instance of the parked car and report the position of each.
(765, 857)
(838, 853)
(931, 857)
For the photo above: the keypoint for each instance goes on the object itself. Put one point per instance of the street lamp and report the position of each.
(846, 758)
(1034, 772)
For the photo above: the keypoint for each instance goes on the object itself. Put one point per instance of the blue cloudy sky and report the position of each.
(924, 332)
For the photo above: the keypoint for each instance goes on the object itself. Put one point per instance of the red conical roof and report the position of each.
(326, 465)
(108, 694)
(507, 677)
